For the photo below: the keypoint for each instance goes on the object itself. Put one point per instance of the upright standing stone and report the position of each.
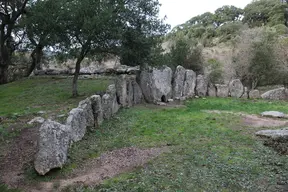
(222, 90)
(121, 89)
(246, 94)
(97, 110)
(178, 82)
(137, 93)
(201, 86)
(212, 91)
(254, 94)
(53, 144)
(156, 84)
(189, 83)
(236, 88)
(76, 121)
(111, 90)
(130, 92)
(276, 94)
(107, 106)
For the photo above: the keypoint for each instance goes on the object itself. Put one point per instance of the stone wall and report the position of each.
(155, 85)
(55, 138)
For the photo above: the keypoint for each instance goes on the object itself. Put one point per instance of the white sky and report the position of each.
(180, 11)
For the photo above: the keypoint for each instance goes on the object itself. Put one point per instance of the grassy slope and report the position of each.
(32, 95)
(210, 152)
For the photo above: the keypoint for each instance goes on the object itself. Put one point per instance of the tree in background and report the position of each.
(142, 34)
(110, 26)
(255, 60)
(44, 27)
(227, 14)
(265, 12)
(10, 14)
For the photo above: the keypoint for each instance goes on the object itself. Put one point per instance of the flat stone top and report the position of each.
(274, 134)
(276, 114)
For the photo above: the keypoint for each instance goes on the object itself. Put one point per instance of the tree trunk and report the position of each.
(3, 74)
(5, 61)
(76, 75)
(36, 56)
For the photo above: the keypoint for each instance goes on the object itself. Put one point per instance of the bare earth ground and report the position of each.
(108, 165)
(21, 150)
(255, 120)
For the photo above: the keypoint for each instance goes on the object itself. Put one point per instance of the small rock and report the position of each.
(61, 116)
(161, 104)
(274, 134)
(36, 120)
(170, 100)
(275, 114)
(41, 112)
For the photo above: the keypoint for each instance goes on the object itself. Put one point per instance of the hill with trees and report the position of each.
(250, 43)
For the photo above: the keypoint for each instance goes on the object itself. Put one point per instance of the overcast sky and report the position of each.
(180, 11)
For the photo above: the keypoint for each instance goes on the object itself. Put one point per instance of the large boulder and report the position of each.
(222, 90)
(121, 89)
(156, 84)
(111, 90)
(178, 82)
(137, 93)
(254, 94)
(278, 135)
(236, 88)
(97, 110)
(212, 91)
(276, 94)
(189, 83)
(130, 91)
(201, 86)
(107, 106)
(275, 114)
(53, 144)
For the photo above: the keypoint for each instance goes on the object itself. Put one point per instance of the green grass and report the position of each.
(32, 95)
(210, 152)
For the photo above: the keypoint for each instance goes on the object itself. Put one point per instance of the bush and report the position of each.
(280, 29)
(185, 54)
(214, 71)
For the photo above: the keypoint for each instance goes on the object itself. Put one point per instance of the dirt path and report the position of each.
(254, 120)
(108, 165)
(15, 155)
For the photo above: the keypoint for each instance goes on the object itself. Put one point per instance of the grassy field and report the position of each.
(20, 101)
(210, 152)
(32, 95)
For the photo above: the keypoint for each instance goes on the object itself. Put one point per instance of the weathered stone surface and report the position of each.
(178, 82)
(137, 93)
(76, 121)
(212, 91)
(53, 144)
(275, 114)
(280, 135)
(156, 84)
(111, 90)
(254, 94)
(222, 90)
(130, 92)
(97, 110)
(236, 88)
(189, 83)
(245, 94)
(201, 86)
(121, 89)
(86, 105)
(276, 94)
(107, 106)
(36, 120)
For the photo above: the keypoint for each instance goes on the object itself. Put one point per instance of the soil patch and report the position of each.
(254, 120)
(16, 154)
(108, 165)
